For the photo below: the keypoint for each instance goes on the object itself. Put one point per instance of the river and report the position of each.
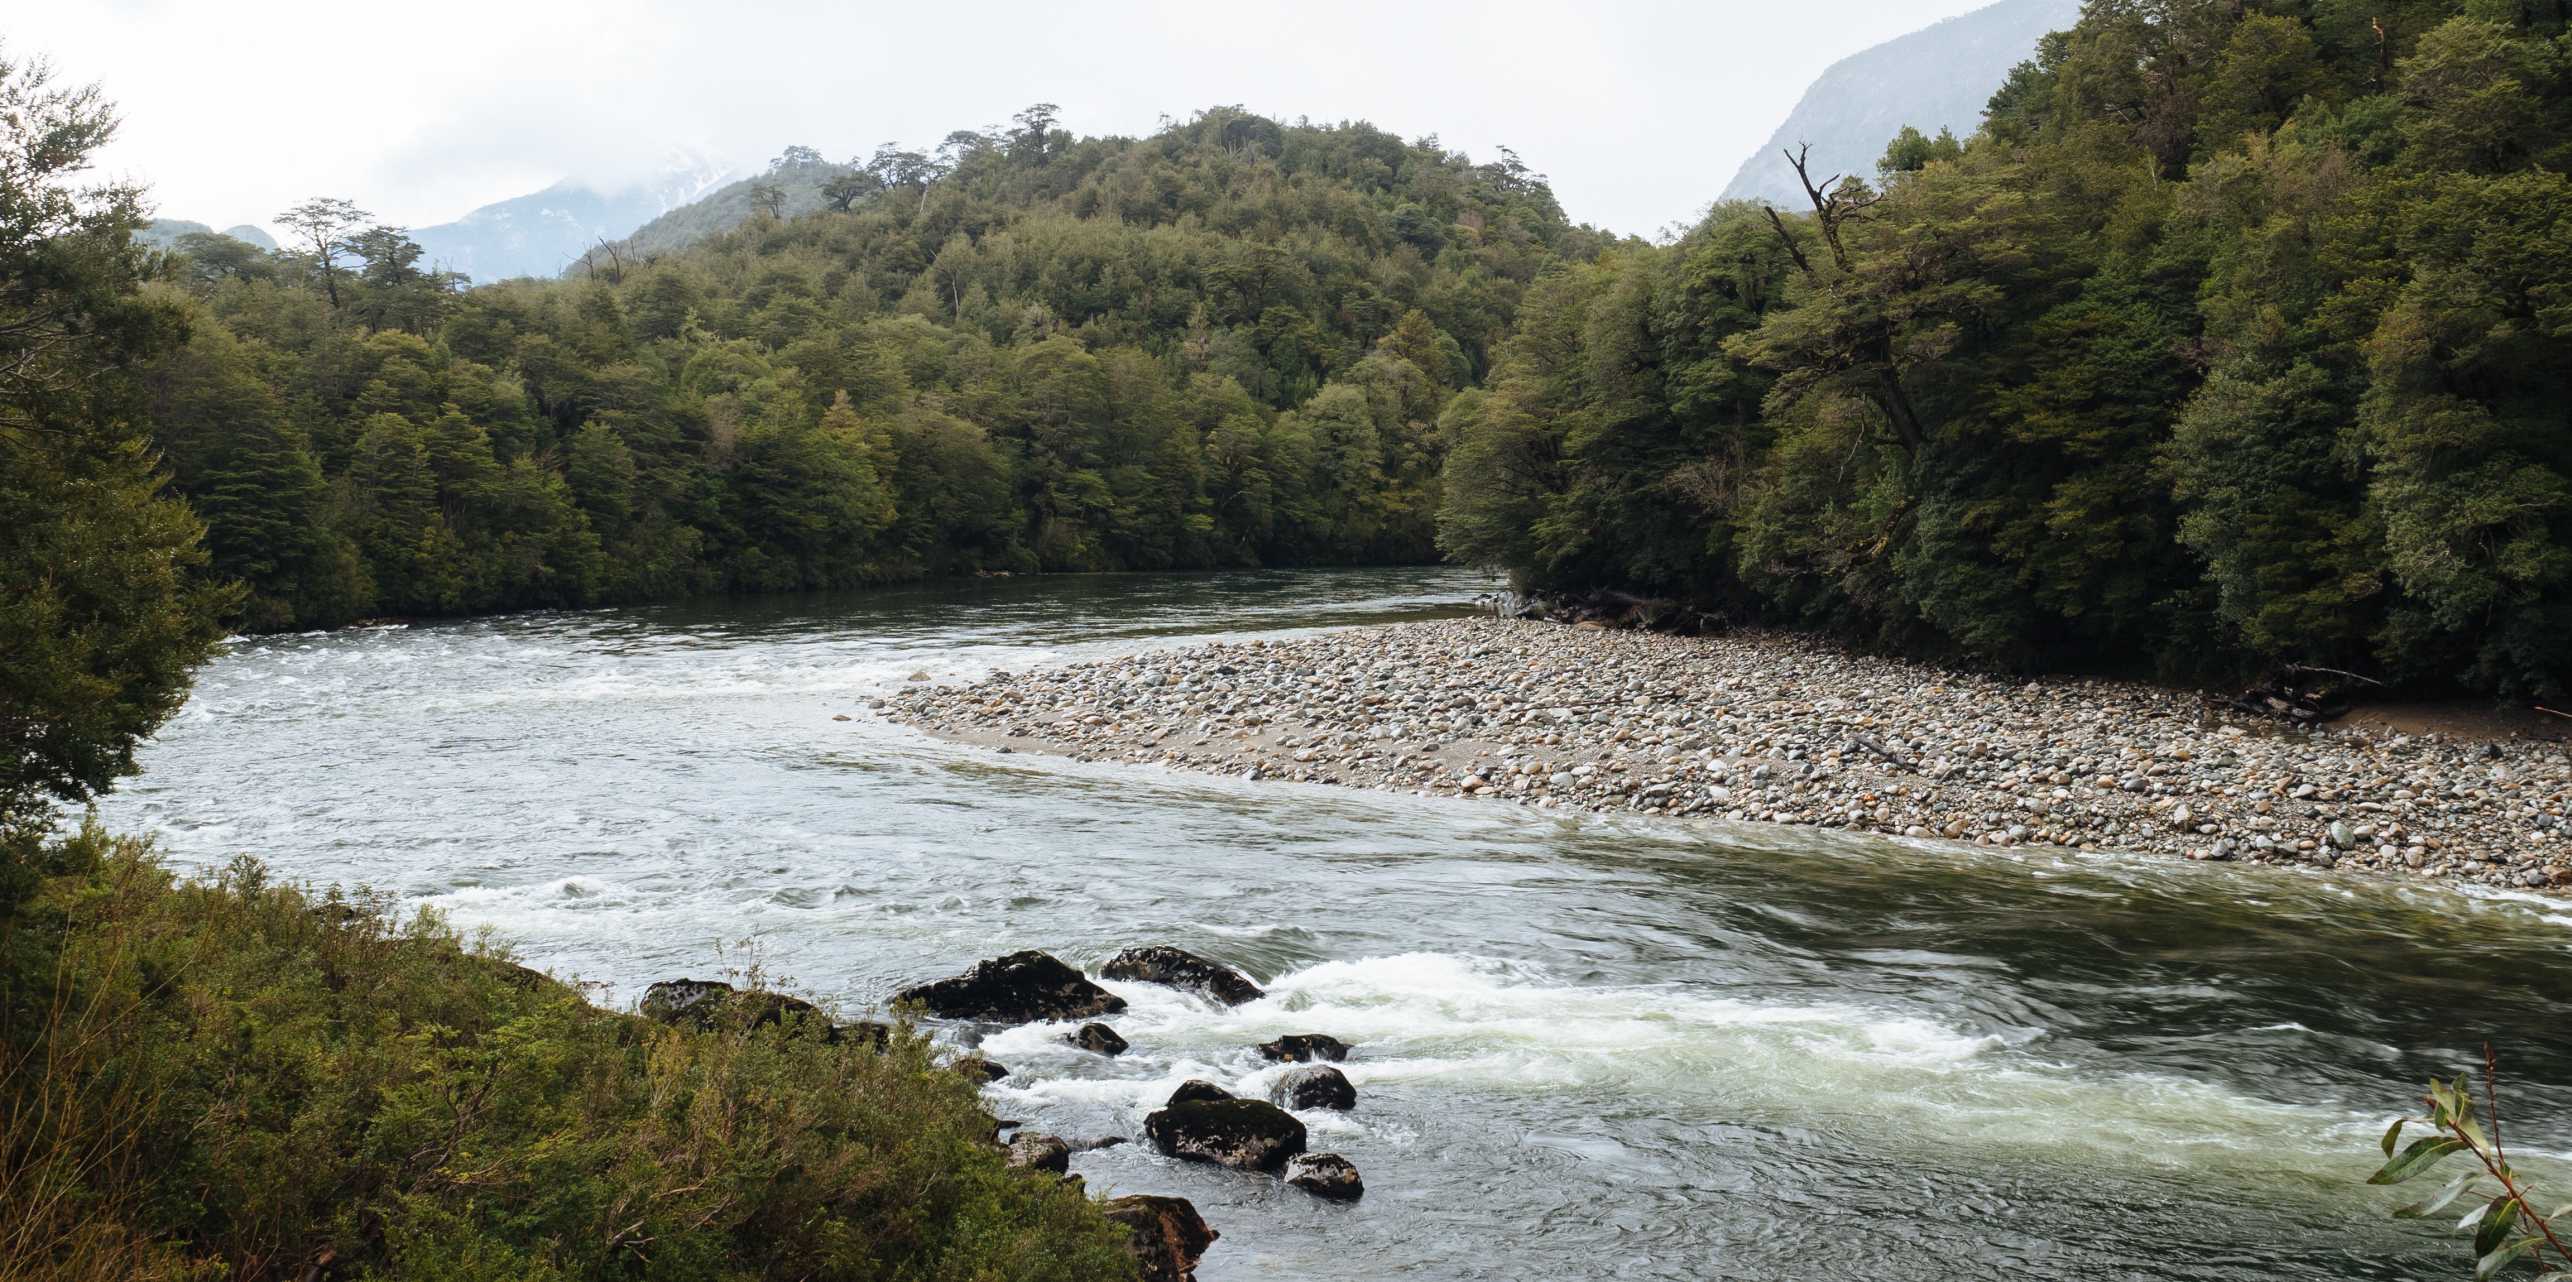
(1588, 1048)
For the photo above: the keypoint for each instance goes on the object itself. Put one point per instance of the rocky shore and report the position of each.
(1779, 729)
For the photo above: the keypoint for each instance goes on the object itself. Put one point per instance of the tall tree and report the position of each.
(323, 225)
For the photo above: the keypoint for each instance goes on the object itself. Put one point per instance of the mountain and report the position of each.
(1933, 79)
(798, 180)
(164, 233)
(540, 233)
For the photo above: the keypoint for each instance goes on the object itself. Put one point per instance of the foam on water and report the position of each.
(1448, 1022)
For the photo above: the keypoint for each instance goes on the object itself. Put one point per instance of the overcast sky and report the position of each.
(1639, 111)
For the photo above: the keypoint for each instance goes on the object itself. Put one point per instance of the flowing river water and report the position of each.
(1588, 1048)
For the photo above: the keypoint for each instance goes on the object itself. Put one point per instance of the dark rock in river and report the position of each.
(1098, 1038)
(1041, 1153)
(691, 1001)
(866, 1031)
(1197, 1090)
(1107, 1141)
(1242, 1134)
(979, 1069)
(1326, 1175)
(1305, 1048)
(1181, 969)
(707, 1004)
(1319, 1086)
(1167, 1235)
(1020, 988)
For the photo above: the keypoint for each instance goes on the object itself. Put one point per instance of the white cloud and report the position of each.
(1639, 111)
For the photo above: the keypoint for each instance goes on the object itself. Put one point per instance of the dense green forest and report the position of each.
(2240, 335)
(1224, 345)
(2237, 337)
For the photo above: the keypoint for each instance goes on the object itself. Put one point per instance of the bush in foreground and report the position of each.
(243, 1080)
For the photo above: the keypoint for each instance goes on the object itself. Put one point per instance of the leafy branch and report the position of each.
(2504, 1219)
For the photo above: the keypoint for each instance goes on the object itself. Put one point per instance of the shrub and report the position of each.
(238, 1079)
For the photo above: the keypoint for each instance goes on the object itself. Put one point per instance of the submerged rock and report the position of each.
(706, 1004)
(1197, 1090)
(1166, 1234)
(1245, 1135)
(1021, 988)
(1099, 1039)
(685, 1001)
(1178, 968)
(1305, 1048)
(1326, 1175)
(865, 1031)
(1040, 1153)
(1319, 1086)
(979, 1069)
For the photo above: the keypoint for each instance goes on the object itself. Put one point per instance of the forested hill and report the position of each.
(2240, 336)
(1227, 344)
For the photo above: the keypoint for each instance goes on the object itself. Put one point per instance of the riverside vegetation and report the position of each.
(2236, 337)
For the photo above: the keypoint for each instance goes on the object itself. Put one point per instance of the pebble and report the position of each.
(1787, 729)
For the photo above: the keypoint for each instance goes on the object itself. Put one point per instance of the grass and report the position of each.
(236, 1079)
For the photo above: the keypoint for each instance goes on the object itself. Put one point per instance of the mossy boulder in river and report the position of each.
(1020, 988)
(1246, 1135)
(1167, 1235)
(1196, 1090)
(1328, 1176)
(1314, 1086)
(1305, 1048)
(1178, 968)
(1098, 1039)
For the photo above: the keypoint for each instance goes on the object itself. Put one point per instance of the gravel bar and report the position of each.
(1764, 727)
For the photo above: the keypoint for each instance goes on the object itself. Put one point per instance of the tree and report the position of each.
(323, 223)
(103, 609)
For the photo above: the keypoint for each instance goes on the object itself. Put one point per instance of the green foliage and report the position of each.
(241, 1080)
(102, 608)
(1226, 344)
(2235, 338)
(2502, 1212)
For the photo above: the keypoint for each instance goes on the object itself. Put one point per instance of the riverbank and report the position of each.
(1779, 729)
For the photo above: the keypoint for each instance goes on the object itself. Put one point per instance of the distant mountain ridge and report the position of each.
(1939, 77)
(164, 233)
(541, 233)
(798, 182)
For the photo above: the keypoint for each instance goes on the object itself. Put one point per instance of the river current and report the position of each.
(1587, 1048)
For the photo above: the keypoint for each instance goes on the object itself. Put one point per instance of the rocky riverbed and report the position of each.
(1778, 729)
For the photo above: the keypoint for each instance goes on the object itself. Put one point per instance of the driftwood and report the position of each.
(2299, 694)
(1876, 746)
(1609, 609)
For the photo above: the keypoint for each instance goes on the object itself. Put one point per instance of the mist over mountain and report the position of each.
(541, 233)
(1936, 78)
(798, 176)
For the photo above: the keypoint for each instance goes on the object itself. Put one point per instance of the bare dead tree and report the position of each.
(1837, 202)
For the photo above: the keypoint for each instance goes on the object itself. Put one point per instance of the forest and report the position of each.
(2236, 338)
(1225, 345)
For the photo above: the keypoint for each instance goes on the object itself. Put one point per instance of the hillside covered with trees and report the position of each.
(1224, 345)
(2240, 336)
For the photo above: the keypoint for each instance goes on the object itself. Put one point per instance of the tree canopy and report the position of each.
(2237, 337)
(1227, 344)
